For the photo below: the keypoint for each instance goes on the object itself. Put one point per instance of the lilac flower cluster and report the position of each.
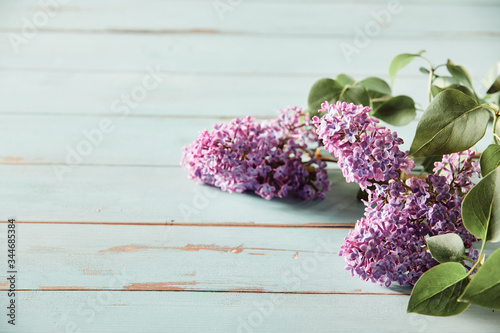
(366, 152)
(388, 244)
(269, 158)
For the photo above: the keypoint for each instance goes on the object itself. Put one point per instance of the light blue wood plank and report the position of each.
(224, 312)
(240, 54)
(292, 17)
(75, 92)
(131, 257)
(157, 194)
(132, 141)
(128, 257)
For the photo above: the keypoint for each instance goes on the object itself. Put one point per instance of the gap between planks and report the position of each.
(198, 224)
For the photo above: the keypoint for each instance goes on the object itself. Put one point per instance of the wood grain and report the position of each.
(69, 93)
(131, 141)
(124, 242)
(128, 257)
(235, 54)
(92, 311)
(157, 194)
(261, 17)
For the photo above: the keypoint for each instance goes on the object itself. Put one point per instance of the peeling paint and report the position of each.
(212, 247)
(125, 248)
(97, 272)
(14, 160)
(188, 247)
(199, 247)
(296, 255)
(238, 249)
(160, 285)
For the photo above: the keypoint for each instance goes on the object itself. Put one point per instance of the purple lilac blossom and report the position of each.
(366, 152)
(388, 244)
(269, 158)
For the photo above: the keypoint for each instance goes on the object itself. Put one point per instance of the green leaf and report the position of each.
(424, 70)
(459, 73)
(446, 247)
(490, 159)
(436, 90)
(321, 91)
(465, 90)
(481, 208)
(400, 61)
(447, 82)
(444, 81)
(344, 79)
(495, 87)
(453, 122)
(497, 127)
(379, 86)
(437, 290)
(399, 110)
(491, 80)
(357, 95)
(484, 288)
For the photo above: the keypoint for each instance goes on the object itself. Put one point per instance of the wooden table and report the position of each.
(97, 100)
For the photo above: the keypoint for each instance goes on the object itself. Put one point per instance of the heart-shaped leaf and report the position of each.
(453, 122)
(399, 111)
(437, 291)
(459, 73)
(484, 288)
(357, 95)
(481, 208)
(344, 79)
(400, 61)
(446, 247)
(490, 159)
(424, 70)
(491, 80)
(435, 90)
(321, 91)
(377, 86)
(444, 81)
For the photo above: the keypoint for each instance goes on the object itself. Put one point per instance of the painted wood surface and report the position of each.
(126, 141)
(87, 272)
(90, 311)
(241, 54)
(263, 17)
(67, 92)
(186, 258)
(123, 241)
(150, 194)
(134, 257)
